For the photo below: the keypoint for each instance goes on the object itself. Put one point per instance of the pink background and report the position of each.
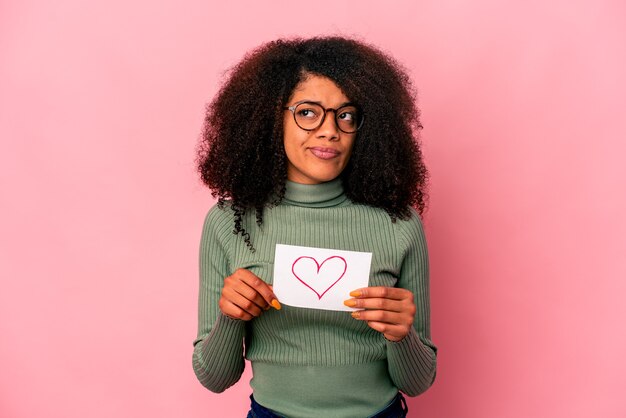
(101, 106)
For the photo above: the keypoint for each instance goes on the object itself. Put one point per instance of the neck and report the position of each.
(322, 195)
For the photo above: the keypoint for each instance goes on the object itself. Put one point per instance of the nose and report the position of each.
(328, 129)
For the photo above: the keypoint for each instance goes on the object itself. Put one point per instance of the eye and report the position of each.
(348, 112)
(347, 116)
(307, 111)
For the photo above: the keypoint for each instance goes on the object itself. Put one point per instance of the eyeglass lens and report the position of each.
(310, 115)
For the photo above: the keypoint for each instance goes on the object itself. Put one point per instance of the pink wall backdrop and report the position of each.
(101, 105)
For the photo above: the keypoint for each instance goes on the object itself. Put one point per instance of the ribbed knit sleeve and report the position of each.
(413, 360)
(218, 349)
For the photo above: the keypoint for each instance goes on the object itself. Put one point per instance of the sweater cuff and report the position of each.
(218, 359)
(227, 321)
(227, 329)
(415, 363)
(410, 344)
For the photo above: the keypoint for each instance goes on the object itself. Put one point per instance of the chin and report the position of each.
(314, 174)
(326, 177)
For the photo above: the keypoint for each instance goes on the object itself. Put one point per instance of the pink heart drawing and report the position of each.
(320, 278)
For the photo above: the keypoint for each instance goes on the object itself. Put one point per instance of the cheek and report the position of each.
(288, 132)
(293, 137)
(290, 143)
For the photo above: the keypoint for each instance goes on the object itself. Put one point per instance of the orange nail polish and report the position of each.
(276, 304)
(355, 293)
(356, 314)
(350, 302)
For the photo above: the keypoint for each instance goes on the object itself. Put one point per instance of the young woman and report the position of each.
(314, 143)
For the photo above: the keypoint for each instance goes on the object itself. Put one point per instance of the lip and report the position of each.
(324, 153)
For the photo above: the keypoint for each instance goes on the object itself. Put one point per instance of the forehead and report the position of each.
(319, 89)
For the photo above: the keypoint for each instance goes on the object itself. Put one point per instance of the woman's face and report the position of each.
(319, 155)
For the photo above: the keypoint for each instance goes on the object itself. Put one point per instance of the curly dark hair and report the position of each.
(241, 156)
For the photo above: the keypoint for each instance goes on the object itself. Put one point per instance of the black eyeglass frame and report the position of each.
(293, 107)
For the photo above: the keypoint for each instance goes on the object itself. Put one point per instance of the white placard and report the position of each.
(318, 278)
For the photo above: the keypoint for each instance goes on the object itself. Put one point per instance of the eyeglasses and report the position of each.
(310, 116)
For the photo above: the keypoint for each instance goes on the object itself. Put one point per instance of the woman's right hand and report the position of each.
(245, 296)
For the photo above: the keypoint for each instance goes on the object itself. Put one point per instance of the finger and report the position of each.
(377, 303)
(387, 317)
(247, 305)
(251, 304)
(259, 285)
(233, 311)
(391, 332)
(395, 293)
(243, 289)
(275, 302)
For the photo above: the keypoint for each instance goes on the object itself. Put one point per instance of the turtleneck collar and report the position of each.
(321, 195)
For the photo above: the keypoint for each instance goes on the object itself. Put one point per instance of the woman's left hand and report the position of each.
(389, 310)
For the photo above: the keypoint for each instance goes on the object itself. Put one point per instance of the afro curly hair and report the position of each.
(243, 161)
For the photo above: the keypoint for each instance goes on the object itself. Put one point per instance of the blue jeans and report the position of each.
(396, 409)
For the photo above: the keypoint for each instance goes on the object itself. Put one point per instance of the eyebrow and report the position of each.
(320, 103)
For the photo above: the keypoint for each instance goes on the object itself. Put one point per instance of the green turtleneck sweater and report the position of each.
(310, 362)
